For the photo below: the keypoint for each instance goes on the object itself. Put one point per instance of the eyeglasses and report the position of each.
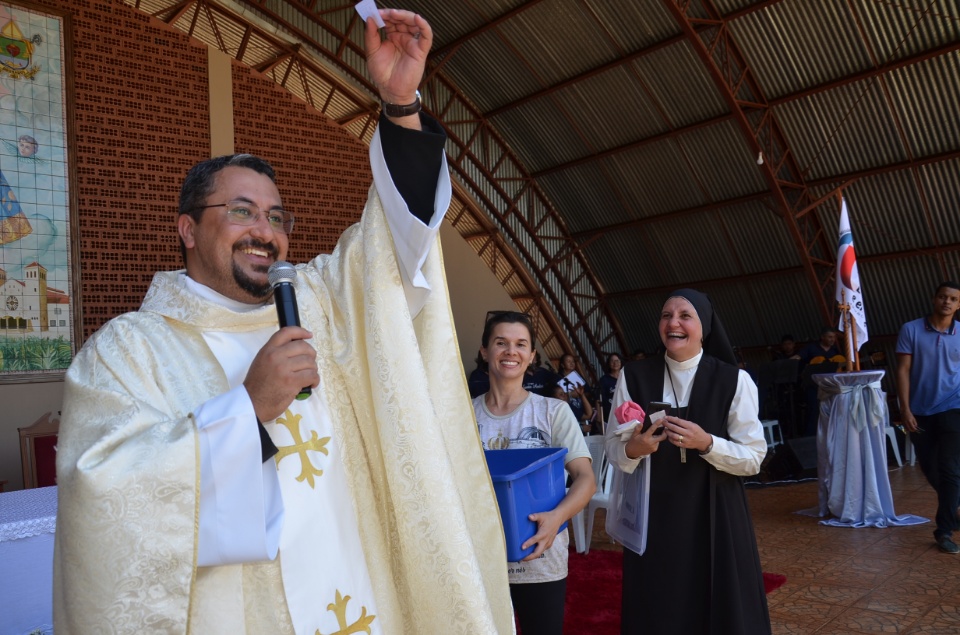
(246, 214)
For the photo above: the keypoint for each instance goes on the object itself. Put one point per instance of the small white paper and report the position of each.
(626, 428)
(367, 9)
(571, 381)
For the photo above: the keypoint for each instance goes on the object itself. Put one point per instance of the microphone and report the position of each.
(281, 275)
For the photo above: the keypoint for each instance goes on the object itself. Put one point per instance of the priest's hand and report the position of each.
(285, 365)
(396, 63)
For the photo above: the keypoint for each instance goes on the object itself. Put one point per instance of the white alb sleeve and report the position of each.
(412, 239)
(241, 509)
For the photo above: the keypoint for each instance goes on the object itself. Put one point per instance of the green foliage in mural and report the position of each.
(34, 353)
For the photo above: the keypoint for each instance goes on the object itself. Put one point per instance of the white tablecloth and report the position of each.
(28, 519)
(851, 452)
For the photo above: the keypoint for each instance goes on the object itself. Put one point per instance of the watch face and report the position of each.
(12, 303)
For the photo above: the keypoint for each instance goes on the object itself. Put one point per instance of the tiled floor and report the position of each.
(852, 581)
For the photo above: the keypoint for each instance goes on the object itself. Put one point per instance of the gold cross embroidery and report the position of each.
(339, 608)
(307, 470)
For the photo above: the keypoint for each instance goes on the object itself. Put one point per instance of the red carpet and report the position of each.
(593, 593)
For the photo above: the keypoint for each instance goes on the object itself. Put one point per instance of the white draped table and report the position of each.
(28, 519)
(851, 452)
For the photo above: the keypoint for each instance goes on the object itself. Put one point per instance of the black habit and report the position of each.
(701, 571)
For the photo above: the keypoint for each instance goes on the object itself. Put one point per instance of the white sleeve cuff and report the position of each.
(241, 509)
(411, 238)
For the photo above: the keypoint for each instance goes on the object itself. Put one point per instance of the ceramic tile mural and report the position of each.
(36, 314)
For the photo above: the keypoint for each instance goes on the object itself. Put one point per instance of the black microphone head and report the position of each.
(281, 272)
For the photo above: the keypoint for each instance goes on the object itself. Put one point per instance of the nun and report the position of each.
(677, 503)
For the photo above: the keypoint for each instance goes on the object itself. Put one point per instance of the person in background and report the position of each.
(824, 354)
(198, 493)
(479, 380)
(782, 385)
(823, 350)
(577, 394)
(539, 379)
(786, 349)
(699, 569)
(743, 365)
(638, 355)
(607, 384)
(568, 364)
(928, 385)
(585, 416)
(509, 417)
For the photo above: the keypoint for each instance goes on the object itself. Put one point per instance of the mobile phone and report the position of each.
(655, 406)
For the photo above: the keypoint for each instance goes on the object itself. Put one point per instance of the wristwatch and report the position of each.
(404, 110)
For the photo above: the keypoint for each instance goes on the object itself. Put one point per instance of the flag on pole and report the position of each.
(848, 281)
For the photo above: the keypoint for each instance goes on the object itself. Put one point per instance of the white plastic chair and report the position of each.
(595, 445)
(892, 435)
(911, 453)
(600, 500)
(772, 430)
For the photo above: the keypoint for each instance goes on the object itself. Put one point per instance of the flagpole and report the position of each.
(850, 328)
(845, 318)
(853, 335)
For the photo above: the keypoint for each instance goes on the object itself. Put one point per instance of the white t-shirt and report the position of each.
(539, 422)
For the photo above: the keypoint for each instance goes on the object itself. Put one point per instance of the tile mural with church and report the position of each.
(36, 329)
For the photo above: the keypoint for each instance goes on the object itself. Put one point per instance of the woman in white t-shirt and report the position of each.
(510, 417)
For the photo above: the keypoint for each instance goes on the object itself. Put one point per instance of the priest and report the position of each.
(197, 493)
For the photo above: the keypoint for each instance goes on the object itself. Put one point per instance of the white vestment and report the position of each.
(391, 437)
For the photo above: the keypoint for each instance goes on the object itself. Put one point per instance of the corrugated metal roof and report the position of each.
(794, 44)
(599, 132)
(680, 84)
(898, 30)
(844, 130)
(721, 162)
(925, 97)
(942, 193)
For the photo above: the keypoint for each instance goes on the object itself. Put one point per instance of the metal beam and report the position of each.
(779, 101)
(589, 234)
(593, 72)
(177, 12)
(935, 252)
(734, 80)
(492, 24)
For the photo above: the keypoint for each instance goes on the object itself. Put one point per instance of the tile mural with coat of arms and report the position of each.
(36, 329)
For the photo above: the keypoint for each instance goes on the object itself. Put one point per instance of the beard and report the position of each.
(259, 290)
(251, 286)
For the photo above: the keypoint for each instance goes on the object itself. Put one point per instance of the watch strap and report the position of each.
(402, 110)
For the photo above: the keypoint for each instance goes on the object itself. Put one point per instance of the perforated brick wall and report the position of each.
(141, 107)
(323, 172)
(140, 102)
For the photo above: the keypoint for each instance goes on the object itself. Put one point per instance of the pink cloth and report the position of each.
(629, 411)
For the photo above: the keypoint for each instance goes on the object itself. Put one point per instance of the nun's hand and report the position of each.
(644, 443)
(687, 434)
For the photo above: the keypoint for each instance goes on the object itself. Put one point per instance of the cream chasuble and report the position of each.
(425, 515)
(319, 523)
